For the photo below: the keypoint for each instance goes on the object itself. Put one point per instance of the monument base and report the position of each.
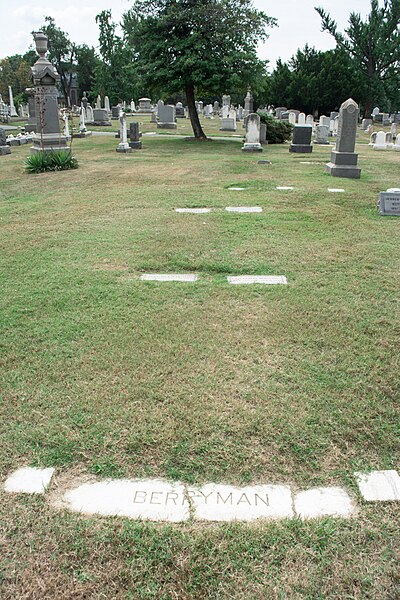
(166, 125)
(343, 164)
(301, 148)
(48, 142)
(82, 134)
(101, 123)
(135, 145)
(5, 150)
(125, 148)
(252, 148)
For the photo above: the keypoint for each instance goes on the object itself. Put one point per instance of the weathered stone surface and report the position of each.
(262, 279)
(323, 502)
(195, 211)
(335, 190)
(153, 500)
(215, 502)
(283, 188)
(389, 203)
(379, 485)
(29, 480)
(244, 209)
(252, 143)
(236, 189)
(168, 277)
(343, 159)
(301, 141)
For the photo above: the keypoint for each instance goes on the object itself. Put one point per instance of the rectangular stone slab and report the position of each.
(244, 209)
(323, 502)
(195, 211)
(389, 204)
(215, 502)
(153, 500)
(263, 279)
(168, 277)
(379, 485)
(29, 480)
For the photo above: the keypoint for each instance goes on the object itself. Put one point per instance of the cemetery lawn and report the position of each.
(106, 375)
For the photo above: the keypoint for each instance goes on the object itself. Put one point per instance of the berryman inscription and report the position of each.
(231, 499)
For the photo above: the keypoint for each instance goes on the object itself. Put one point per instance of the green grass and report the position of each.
(200, 382)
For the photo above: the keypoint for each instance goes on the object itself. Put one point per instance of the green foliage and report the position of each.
(87, 64)
(42, 162)
(374, 47)
(315, 81)
(206, 47)
(15, 71)
(115, 74)
(278, 132)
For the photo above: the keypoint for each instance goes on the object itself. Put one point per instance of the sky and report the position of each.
(298, 22)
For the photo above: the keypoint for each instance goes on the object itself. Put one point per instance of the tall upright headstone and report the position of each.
(248, 103)
(123, 145)
(134, 136)
(343, 158)
(166, 117)
(252, 142)
(107, 104)
(48, 136)
(4, 149)
(13, 112)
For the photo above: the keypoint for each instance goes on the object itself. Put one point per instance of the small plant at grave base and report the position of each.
(58, 160)
(278, 132)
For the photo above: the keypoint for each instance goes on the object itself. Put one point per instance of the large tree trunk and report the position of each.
(368, 108)
(194, 116)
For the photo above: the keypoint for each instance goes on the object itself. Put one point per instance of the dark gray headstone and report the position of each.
(343, 159)
(134, 136)
(301, 141)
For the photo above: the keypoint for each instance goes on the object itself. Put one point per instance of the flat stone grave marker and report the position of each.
(335, 190)
(284, 187)
(29, 480)
(153, 500)
(168, 277)
(215, 502)
(244, 209)
(263, 279)
(195, 211)
(321, 502)
(379, 485)
(236, 189)
(389, 203)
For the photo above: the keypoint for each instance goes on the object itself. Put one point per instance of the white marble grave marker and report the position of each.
(215, 502)
(195, 211)
(244, 209)
(29, 480)
(168, 277)
(263, 279)
(323, 502)
(379, 485)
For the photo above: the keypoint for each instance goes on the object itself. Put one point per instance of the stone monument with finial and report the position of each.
(48, 136)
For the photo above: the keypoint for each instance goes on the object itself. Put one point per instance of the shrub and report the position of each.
(57, 160)
(278, 132)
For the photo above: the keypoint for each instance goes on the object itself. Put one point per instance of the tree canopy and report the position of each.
(374, 46)
(196, 47)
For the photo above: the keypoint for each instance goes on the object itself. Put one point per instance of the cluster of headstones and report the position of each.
(380, 140)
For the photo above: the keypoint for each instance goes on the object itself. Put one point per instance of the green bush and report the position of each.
(278, 132)
(57, 160)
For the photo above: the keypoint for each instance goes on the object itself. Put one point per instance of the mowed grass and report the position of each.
(106, 374)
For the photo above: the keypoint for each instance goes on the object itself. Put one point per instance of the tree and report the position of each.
(116, 73)
(62, 54)
(374, 46)
(208, 47)
(15, 71)
(87, 65)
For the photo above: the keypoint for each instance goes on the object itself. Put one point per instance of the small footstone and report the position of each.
(323, 502)
(194, 211)
(335, 190)
(168, 277)
(379, 485)
(215, 502)
(244, 209)
(264, 162)
(264, 279)
(236, 189)
(284, 187)
(29, 480)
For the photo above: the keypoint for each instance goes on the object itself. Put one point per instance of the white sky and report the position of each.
(298, 22)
